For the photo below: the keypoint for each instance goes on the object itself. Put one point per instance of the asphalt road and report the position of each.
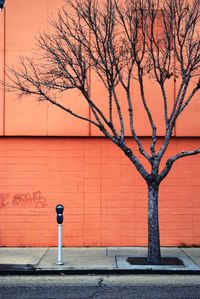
(104, 287)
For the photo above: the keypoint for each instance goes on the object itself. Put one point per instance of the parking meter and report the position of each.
(59, 211)
(59, 218)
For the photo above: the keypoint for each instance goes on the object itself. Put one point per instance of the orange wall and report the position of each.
(20, 23)
(104, 197)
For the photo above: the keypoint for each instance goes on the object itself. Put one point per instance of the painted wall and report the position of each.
(20, 23)
(104, 197)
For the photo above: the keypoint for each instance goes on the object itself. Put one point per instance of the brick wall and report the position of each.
(104, 197)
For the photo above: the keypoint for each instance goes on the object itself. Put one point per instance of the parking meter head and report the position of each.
(59, 211)
(2, 2)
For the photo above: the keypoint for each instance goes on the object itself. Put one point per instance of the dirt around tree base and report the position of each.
(165, 261)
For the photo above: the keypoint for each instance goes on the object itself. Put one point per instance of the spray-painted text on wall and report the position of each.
(31, 199)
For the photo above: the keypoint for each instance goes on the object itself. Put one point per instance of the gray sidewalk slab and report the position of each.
(43, 260)
(193, 253)
(78, 258)
(21, 255)
(173, 252)
(127, 251)
(82, 251)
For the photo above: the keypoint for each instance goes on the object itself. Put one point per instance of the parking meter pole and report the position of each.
(59, 262)
(59, 211)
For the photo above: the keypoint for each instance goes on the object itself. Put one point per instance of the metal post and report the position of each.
(59, 211)
(59, 262)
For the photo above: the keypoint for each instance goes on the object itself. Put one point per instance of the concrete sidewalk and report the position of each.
(93, 260)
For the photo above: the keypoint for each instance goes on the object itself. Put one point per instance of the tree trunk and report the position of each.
(154, 255)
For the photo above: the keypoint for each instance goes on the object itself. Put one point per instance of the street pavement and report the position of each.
(100, 287)
(96, 260)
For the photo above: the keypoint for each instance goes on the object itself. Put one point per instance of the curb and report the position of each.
(31, 270)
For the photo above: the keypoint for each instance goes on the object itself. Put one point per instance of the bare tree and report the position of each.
(120, 42)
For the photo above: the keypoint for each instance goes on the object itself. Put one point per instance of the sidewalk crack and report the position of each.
(182, 250)
(42, 257)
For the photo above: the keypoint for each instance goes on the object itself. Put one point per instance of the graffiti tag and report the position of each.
(3, 200)
(34, 199)
(29, 199)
